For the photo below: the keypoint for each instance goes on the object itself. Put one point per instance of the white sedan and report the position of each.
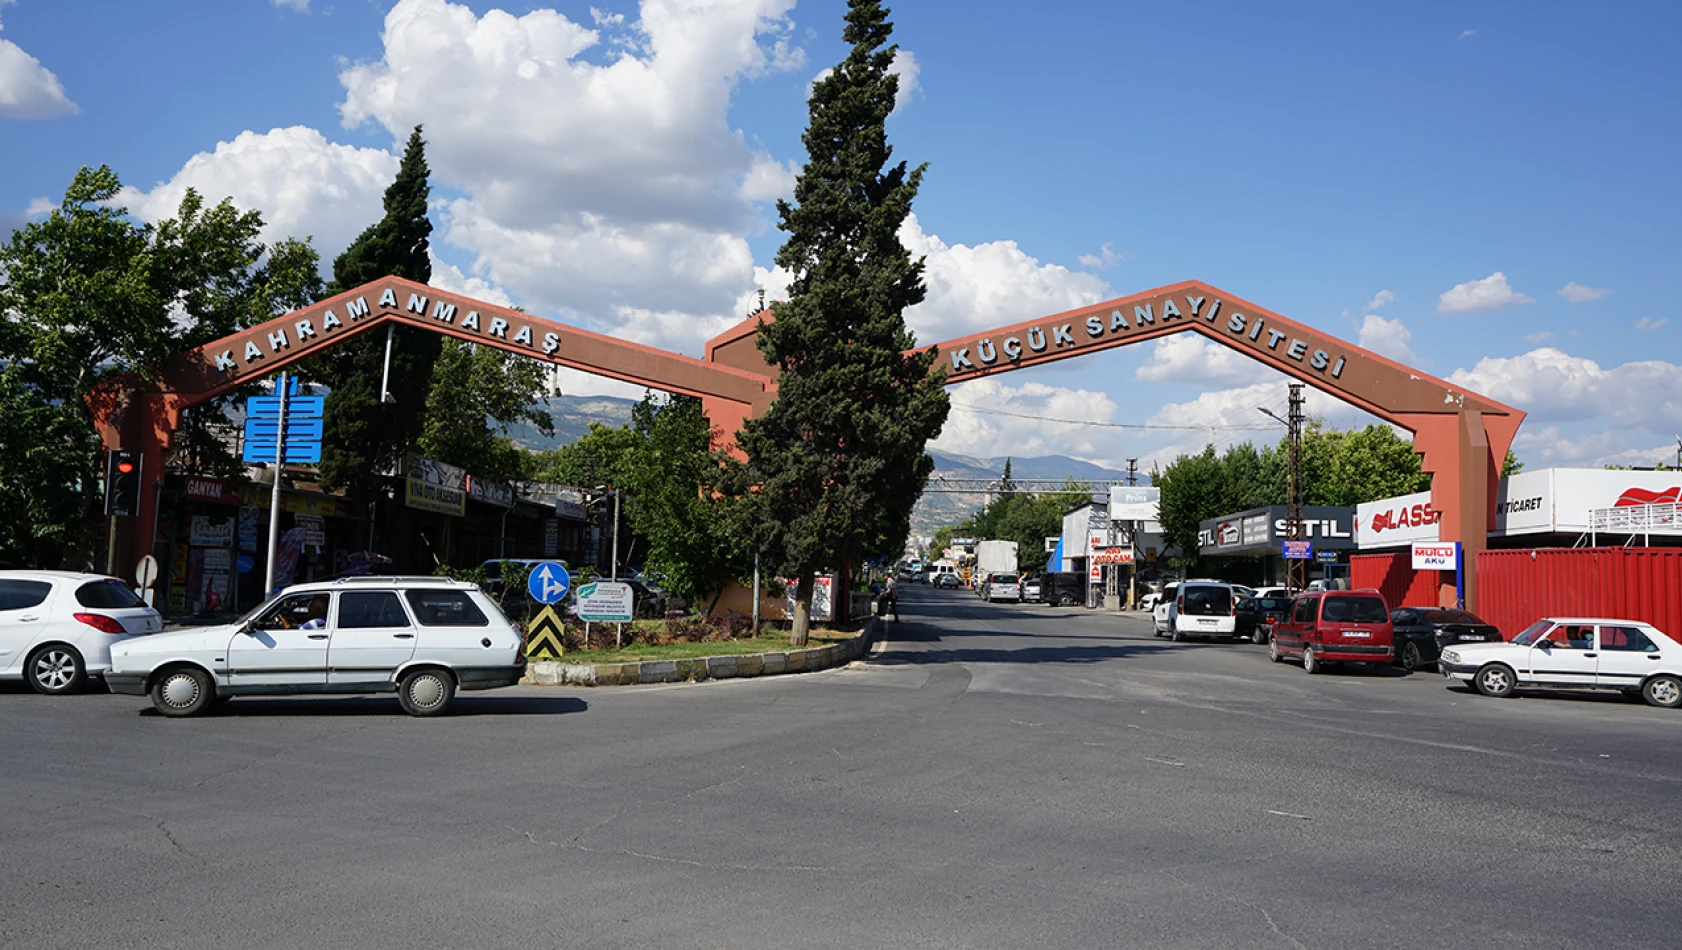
(57, 627)
(1575, 653)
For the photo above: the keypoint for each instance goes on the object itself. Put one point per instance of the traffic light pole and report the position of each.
(274, 498)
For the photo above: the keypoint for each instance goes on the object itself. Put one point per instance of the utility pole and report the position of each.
(1132, 472)
(1133, 541)
(1296, 569)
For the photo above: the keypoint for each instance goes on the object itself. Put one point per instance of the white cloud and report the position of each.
(1106, 258)
(40, 207)
(1481, 296)
(303, 185)
(1388, 338)
(1549, 446)
(979, 424)
(1538, 336)
(904, 65)
(1467, 34)
(1379, 300)
(1577, 293)
(1191, 358)
(604, 19)
(768, 179)
(989, 285)
(1648, 324)
(29, 90)
(1556, 387)
(1227, 417)
(302, 6)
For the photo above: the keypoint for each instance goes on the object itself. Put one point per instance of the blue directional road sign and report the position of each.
(548, 582)
(304, 428)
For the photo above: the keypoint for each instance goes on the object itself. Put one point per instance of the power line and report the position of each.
(1107, 425)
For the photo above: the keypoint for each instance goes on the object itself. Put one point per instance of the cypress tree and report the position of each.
(363, 437)
(837, 461)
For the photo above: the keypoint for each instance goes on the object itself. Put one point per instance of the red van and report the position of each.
(1334, 626)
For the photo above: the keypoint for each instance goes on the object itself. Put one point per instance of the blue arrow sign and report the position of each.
(297, 453)
(300, 407)
(548, 582)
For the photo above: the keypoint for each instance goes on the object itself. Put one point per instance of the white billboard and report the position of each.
(1132, 503)
(1396, 522)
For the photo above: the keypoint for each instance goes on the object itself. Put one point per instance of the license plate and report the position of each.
(1207, 623)
(1357, 633)
(1464, 636)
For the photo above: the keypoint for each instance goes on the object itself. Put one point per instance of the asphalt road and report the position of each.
(999, 776)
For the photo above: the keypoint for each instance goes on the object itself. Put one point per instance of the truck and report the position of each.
(994, 557)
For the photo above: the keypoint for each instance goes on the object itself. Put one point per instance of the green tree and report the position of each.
(473, 386)
(363, 436)
(1191, 488)
(1365, 465)
(837, 462)
(89, 294)
(675, 507)
(1512, 466)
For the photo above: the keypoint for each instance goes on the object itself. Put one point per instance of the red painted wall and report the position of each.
(1394, 577)
(1517, 588)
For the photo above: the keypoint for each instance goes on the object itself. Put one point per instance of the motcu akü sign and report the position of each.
(1439, 556)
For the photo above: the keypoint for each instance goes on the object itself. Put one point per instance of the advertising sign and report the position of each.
(248, 522)
(1134, 504)
(1393, 522)
(607, 602)
(1116, 555)
(426, 496)
(551, 537)
(1435, 556)
(315, 530)
(490, 492)
(208, 532)
(204, 489)
(1296, 550)
(570, 505)
(218, 563)
(822, 607)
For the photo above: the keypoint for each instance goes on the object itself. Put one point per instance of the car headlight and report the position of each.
(1451, 656)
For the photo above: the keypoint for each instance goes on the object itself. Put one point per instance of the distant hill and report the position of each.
(573, 415)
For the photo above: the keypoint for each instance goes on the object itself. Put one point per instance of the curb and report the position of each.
(557, 673)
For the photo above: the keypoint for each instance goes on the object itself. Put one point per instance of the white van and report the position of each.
(1197, 609)
(1004, 587)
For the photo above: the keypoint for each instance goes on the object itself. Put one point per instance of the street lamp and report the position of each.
(1269, 413)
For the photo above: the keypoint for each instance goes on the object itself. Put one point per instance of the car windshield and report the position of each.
(1004, 578)
(1207, 600)
(1272, 603)
(1533, 632)
(1354, 610)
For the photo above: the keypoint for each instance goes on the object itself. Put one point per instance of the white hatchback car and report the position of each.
(1576, 653)
(420, 637)
(57, 627)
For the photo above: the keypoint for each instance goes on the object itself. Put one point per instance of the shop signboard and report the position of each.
(609, 602)
(1436, 556)
(570, 505)
(490, 491)
(1260, 530)
(1115, 555)
(217, 565)
(1393, 522)
(1296, 550)
(1132, 503)
(249, 519)
(315, 530)
(211, 532)
(425, 496)
(551, 537)
(199, 488)
(296, 502)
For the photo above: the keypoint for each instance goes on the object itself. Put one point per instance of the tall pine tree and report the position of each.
(365, 438)
(837, 461)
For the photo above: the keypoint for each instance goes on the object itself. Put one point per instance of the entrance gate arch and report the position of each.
(1461, 435)
(142, 413)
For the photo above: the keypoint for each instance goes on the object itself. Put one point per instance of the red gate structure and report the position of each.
(1462, 436)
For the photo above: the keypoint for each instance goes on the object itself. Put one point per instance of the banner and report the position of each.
(427, 496)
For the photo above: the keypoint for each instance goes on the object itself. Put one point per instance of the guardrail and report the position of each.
(1634, 520)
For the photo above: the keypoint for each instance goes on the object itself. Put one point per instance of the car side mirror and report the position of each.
(249, 629)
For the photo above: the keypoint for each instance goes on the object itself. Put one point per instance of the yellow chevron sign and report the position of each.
(543, 636)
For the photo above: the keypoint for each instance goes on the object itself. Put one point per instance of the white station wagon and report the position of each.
(1575, 653)
(421, 637)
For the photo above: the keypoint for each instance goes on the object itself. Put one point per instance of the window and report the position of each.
(1626, 640)
(446, 608)
(1572, 637)
(1403, 615)
(21, 595)
(291, 613)
(1305, 610)
(109, 594)
(1354, 610)
(370, 608)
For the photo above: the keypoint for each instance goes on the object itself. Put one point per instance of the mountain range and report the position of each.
(574, 414)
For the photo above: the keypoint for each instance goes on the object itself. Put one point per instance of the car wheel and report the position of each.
(1178, 635)
(1409, 659)
(186, 691)
(56, 669)
(1259, 636)
(426, 692)
(1273, 651)
(1496, 680)
(1065, 601)
(1664, 691)
(1310, 663)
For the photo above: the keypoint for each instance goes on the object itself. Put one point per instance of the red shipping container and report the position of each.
(1394, 577)
(1517, 588)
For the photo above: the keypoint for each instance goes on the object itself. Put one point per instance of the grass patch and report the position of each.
(770, 641)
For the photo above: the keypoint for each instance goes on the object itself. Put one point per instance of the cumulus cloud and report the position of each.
(904, 66)
(1192, 358)
(1379, 300)
(1538, 336)
(1481, 296)
(29, 90)
(991, 284)
(303, 184)
(302, 6)
(1648, 324)
(1387, 338)
(990, 419)
(1106, 258)
(1227, 417)
(1577, 293)
(1554, 386)
(1551, 446)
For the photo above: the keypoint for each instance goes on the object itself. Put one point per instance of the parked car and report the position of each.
(1063, 588)
(1004, 587)
(947, 580)
(1031, 589)
(420, 637)
(1272, 592)
(57, 627)
(1575, 653)
(1164, 598)
(1421, 633)
(1196, 609)
(1254, 617)
(1334, 626)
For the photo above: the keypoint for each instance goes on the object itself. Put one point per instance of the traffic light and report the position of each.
(122, 483)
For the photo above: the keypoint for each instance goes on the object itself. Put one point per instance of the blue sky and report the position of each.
(1483, 190)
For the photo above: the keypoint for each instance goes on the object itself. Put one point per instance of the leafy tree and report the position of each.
(1190, 494)
(837, 462)
(89, 294)
(601, 456)
(1512, 466)
(364, 437)
(1363, 465)
(472, 384)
